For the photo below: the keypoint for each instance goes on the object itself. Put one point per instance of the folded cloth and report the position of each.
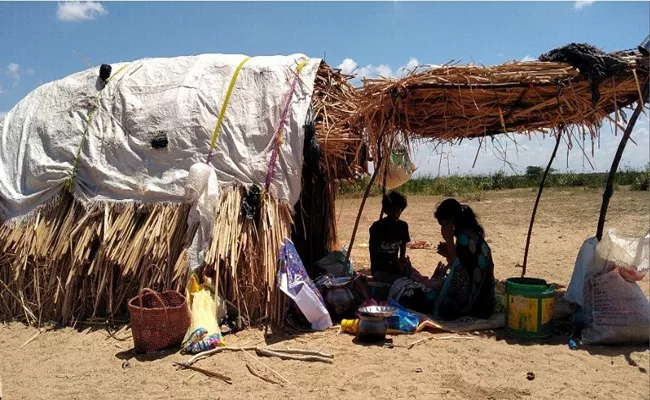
(405, 287)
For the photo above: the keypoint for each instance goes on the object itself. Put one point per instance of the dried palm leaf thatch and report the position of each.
(335, 100)
(69, 262)
(455, 102)
(244, 255)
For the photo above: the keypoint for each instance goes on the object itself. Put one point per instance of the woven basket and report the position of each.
(158, 320)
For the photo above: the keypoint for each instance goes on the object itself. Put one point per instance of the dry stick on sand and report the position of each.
(211, 374)
(269, 368)
(262, 377)
(271, 353)
(410, 346)
(282, 353)
(31, 339)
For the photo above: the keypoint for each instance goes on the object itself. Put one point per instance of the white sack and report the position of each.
(179, 97)
(616, 311)
(585, 267)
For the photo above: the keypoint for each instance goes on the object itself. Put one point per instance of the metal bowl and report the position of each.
(341, 282)
(377, 311)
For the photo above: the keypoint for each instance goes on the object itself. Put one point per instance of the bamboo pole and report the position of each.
(363, 203)
(539, 194)
(609, 187)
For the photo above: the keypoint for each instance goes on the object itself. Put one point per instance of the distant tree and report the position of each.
(535, 173)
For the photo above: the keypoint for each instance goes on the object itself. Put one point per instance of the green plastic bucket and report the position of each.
(529, 309)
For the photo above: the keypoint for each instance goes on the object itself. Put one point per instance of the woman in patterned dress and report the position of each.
(465, 285)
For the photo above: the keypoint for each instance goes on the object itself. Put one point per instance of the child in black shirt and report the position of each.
(388, 238)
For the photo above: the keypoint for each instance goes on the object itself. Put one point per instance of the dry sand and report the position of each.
(68, 364)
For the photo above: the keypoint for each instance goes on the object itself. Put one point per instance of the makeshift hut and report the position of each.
(104, 188)
(567, 93)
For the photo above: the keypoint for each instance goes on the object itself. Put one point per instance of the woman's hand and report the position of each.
(441, 271)
(442, 249)
(433, 283)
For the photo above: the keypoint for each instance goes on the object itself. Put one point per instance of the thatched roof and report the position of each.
(335, 100)
(455, 102)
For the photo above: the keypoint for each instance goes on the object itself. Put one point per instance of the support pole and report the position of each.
(609, 187)
(539, 194)
(363, 203)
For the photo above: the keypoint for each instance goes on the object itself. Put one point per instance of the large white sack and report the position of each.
(180, 97)
(586, 266)
(616, 311)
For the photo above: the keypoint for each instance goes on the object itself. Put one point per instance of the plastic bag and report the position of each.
(402, 320)
(202, 191)
(628, 254)
(203, 333)
(296, 284)
(400, 169)
(615, 311)
(334, 264)
(586, 266)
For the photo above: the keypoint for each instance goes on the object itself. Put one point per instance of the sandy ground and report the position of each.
(68, 364)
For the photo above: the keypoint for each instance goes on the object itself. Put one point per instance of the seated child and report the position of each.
(388, 238)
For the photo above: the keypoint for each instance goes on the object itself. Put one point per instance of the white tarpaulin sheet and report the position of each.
(179, 98)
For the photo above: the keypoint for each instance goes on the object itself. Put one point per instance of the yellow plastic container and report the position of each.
(529, 308)
(349, 326)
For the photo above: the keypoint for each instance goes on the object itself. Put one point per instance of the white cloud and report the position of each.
(71, 11)
(384, 71)
(13, 70)
(528, 58)
(348, 66)
(580, 4)
(408, 68)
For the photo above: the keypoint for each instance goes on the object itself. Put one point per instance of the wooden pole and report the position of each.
(383, 184)
(363, 203)
(539, 194)
(609, 187)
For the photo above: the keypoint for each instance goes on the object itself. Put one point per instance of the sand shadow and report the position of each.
(386, 343)
(131, 354)
(619, 350)
(562, 330)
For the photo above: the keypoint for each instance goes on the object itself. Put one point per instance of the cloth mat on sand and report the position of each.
(465, 324)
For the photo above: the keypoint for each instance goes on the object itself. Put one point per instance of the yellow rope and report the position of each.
(222, 112)
(68, 184)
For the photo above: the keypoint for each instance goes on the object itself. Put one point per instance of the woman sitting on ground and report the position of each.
(468, 288)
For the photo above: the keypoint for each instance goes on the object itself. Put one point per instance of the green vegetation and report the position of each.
(471, 187)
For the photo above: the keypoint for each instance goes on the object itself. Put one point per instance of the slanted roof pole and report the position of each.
(609, 187)
(539, 195)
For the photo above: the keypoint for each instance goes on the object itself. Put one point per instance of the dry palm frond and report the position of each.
(71, 262)
(335, 101)
(456, 102)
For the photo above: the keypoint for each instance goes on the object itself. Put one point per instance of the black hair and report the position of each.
(392, 201)
(462, 215)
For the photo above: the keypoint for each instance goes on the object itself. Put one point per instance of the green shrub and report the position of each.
(473, 186)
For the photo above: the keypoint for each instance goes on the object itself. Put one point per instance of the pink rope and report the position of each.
(278, 133)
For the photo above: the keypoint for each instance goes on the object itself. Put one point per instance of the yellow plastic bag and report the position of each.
(204, 332)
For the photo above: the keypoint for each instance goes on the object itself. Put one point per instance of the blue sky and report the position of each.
(41, 42)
